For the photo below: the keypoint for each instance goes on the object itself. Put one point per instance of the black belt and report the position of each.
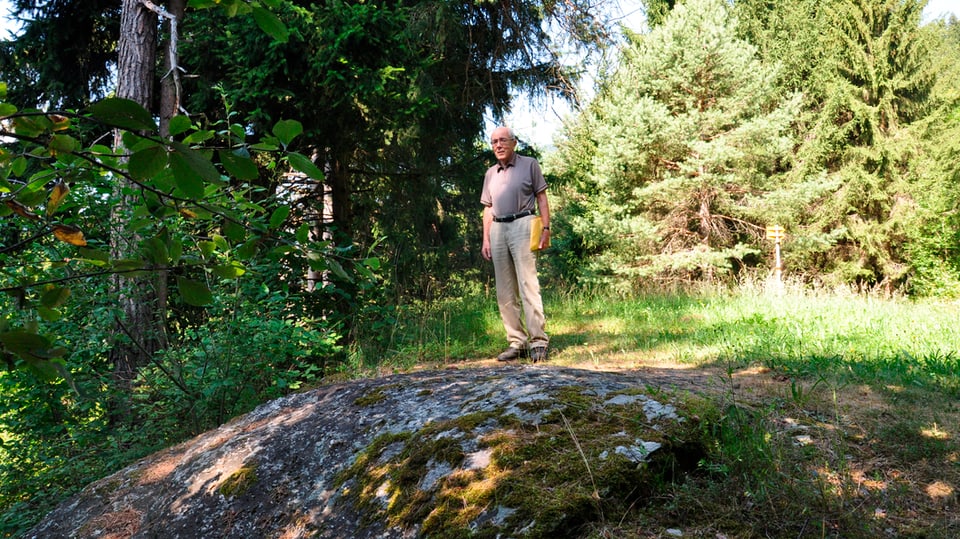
(512, 217)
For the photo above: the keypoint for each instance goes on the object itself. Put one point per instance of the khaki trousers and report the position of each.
(515, 269)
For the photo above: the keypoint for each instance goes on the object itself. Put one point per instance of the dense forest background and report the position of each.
(206, 205)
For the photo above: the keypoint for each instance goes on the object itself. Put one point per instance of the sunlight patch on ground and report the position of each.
(621, 356)
(935, 432)
(939, 490)
(751, 371)
(861, 478)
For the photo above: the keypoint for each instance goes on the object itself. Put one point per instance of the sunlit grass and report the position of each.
(790, 329)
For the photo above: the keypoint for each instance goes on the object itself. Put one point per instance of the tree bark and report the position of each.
(139, 299)
(137, 54)
(169, 84)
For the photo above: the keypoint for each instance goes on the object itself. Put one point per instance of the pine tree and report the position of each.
(682, 149)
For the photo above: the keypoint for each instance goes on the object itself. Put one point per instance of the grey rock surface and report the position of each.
(283, 469)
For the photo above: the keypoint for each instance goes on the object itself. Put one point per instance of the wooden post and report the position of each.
(776, 233)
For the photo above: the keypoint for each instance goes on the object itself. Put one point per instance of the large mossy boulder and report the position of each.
(518, 451)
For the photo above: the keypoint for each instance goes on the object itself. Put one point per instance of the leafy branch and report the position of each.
(200, 208)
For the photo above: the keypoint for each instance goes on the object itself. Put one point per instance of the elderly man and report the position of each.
(513, 190)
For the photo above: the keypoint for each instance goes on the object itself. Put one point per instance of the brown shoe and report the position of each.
(510, 354)
(538, 354)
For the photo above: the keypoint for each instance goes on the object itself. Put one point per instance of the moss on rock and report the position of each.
(239, 481)
(545, 479)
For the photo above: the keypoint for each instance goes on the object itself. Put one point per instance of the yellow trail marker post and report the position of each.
(776, 233)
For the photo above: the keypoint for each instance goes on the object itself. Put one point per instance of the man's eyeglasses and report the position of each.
(502, 140)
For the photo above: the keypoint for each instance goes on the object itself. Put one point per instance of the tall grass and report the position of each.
(796, 330)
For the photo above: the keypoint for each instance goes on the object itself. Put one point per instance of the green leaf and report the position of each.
(94, 257)
(186, 178)
(234, 230)
(198, 137)
(207, 248)
(221, 242)
(54, 297)
(147, 163)
(239, 166)
(271, 24)
(35, 192)
(19, 166)
(231, 270)
(287, 130)
(194, 292)
(200, 163)
(28, 345)
(303, 234)
(155, 250)
(31, 126)
(6, 109)
(232, 7)
(179, 124)
(238, 131)
(364, 273)
(175, 251)
(62, 144)
(279, 216)
(127, 265)
(248, 249)
(338, 270)
(48, 314)
(165, 181)
(190, 169)
(268, 144)
(95, 254)
(303, 164)
(122, 113)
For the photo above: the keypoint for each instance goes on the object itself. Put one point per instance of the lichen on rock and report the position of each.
(517, 451)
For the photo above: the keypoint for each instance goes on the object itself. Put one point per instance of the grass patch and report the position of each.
(799, 333)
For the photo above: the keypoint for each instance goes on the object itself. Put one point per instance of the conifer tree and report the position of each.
(681, 152)
(881, 81)
(933, 245)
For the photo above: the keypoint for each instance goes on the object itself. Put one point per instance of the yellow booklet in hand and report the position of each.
(536, 229)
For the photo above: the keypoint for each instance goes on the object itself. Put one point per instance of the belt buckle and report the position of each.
(513, 217)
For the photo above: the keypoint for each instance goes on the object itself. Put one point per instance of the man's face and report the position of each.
(503, 145)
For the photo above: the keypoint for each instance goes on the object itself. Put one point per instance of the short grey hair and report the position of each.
(510, 131)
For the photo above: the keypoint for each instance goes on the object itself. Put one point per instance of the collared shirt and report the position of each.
(513, 188)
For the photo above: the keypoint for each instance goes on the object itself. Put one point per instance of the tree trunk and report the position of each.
(136, 63)
(338, 179)
(140, 331)
(170, 83)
